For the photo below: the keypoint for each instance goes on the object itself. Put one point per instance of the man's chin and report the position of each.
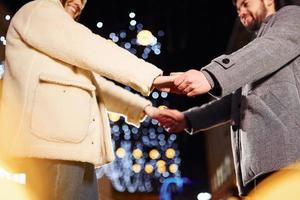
(252, 27)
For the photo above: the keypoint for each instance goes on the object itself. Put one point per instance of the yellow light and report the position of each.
(137, 153)
(162, 107)
(114, 117)
(161, 169)
(136, 168)
(160, 163)
(149, 169)
(170, 153)
(145, 37)
(173, 168)
(12, 191)
(154, 154)
(121, 152)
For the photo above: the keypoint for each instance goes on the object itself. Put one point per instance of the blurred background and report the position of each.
(176, 36)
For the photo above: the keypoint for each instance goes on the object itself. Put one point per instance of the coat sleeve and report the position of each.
(210, 115)
(263, 56)
(116, 99)
(45, 26)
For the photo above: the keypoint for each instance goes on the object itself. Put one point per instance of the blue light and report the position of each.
(132, 50)
(144, 56)
(133, 41)
(134, 130)
(161, 136)
(139, 26)
(147, 50)
(160, 33)
(164, 94)
(116, 39)
(125, 127)
(155, 95)
(123, 34)
(154, 121)
(127, 45)
(165, 192)
(160, 129)
(173, 137)
(115, 128)
(157, 51)
(112, 35)
(162, 143)
(127, 137)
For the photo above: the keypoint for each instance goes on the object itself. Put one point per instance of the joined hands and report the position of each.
(190, 83)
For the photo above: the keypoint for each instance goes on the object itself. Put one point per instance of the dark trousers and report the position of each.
(60, 180)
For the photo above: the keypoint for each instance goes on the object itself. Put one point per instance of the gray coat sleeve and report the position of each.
(209, 115)
(264, 55)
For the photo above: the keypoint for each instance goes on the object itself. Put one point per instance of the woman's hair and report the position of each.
(63, 2)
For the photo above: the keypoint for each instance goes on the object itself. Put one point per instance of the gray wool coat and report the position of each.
(260, 96)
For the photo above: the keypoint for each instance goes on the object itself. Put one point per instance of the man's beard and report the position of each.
(260, 17)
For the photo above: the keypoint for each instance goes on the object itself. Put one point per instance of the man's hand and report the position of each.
(192, 83)
(171, 120)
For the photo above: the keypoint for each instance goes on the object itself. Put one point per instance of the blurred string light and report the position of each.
(131, 15)
(142, 154)
(99, 25)
(136, 39)
(3, 40)
(17, 178)
(146, 156)
(166, 189)
(7, 17)
(1, 69)
(204, 196)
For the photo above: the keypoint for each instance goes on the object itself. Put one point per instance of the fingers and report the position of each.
(176, 73)
(164, 81)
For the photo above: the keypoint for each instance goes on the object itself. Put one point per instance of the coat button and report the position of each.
(225, 60)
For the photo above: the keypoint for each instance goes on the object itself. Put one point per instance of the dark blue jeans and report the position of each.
(61, 180)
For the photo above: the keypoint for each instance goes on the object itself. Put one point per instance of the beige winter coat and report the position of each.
(48, 107)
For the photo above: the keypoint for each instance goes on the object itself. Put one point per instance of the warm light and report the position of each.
(137, 153)
(12, 186)
(154, 154)
(121, 152)
(170, 153)
(114, 117)
(162, 107)
(17, 178)
(149, 169)
(161, 169)
(173, 168)
(12, 191)
(136, 168)
(160, 163)
(145, 38)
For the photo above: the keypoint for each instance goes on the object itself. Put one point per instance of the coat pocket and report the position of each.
(61, 109)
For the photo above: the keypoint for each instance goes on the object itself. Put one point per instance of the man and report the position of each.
(258, 91)
(53, 119)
